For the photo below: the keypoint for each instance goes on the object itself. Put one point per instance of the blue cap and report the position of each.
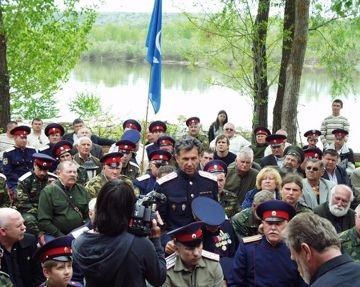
(54, 128)
(131, 135)
(132, 124)
(208, 211)
(216, 166)
(58, 249)
(275, 211)
(190, 234)
(43, 160)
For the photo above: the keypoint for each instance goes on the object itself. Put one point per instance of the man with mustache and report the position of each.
(63, 205)
(264, 260)
(337, 210)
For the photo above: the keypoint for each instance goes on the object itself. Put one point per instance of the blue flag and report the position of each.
(153, 43)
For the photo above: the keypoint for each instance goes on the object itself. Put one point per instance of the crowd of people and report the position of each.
(191, 210)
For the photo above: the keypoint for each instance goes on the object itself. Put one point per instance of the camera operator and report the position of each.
(109, 255)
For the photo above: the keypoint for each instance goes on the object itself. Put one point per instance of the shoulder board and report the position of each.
(207, 175)
(3, 176)
(52, 174)
(31, 147)
(78, 231)
(170, 261)
(134, 164)
(43, 148)
(253, 238)
(150, 144)
(167, 177)
(9, 149)
(143, 177)
(210, 255)
(24, 176)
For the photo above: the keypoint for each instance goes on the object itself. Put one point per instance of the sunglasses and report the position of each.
(312, 168)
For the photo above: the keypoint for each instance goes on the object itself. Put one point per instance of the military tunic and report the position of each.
(132, 170)
(230, 202)
(180, 189)
(206, 273)
(17, 162)
(4, 194)
(350, 243)
(260, 264)
(144, 184)
(27, 199)
(55, 215)
(245, 223)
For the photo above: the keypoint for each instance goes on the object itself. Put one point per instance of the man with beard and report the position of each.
(337, 209)
(315, 247)
(293, 157)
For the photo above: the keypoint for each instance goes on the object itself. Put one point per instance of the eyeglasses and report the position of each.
(312, 168)
(228, 129)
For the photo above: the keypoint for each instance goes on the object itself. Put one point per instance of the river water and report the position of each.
(123, 91)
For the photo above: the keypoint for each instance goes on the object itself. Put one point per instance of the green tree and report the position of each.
(86, 105)
(40, 45)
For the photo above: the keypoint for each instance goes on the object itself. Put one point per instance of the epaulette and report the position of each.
(32, 147)
(52, 174)
(25, 175)
(207, 175)
(3, 176)
(134, 164)
(253, 238)
(170, 260)
(167, 177)
(78, 231)
(9, 149)
(43, 148)
(143, 177)
(210, 255)
(150, 144)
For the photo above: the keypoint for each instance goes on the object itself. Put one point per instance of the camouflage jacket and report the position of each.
(245, 223)
(28, 191)
(5, 280)
(132, 170)
(302, 207)
(350, 243)
(229, 201)
(4, 194)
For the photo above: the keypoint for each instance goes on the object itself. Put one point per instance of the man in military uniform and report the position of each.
(129, 168)
(191, 265)
(260, 143)
(54, 132)
(168, 143)
(111, 170)
(350, 239)
(156, 129)
(246, 222)
(144, 184)
(29, 187)
(63, 205)
(182, 186)
(227, 198)
(17, 160)
(265, 260)
(194, 130)
(312, 138)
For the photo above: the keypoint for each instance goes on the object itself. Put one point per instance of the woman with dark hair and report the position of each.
(109, 255)
(217, 127)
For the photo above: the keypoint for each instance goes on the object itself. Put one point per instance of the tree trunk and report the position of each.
(294, 69)
(4, 78)
(261, 90)
(288, 36)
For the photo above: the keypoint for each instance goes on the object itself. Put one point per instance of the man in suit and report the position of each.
(333, 171)
(277, 145)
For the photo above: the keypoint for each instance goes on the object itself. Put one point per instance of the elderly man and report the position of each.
(96, 150)
(246, 222)
(337, 210)
(316, 189)
(241, 177)
(237, 142)
(83, 155)
(182, 186)
(277, 145)
(17, 249)
(63, 205)
(350, 239)
(29, 187)
(315, 246)
(111, 170)
(293, 157)
(333, 171)
(264, 260)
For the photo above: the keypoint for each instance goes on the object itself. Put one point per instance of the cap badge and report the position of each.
(273, 213)
(193, 236)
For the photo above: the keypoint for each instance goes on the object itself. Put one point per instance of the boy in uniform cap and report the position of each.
(268, 260)
(129, 168)
(144, 184)
(111, 163)
(228, 199)
(346, 159)
(277, 144)
(190, 265)
(218, 234)
(312, 138)
(260, 145)
(29, 187)
(54, 132)
(17, 160)
(56, 260)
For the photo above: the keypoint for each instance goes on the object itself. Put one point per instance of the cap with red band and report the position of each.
(125, 145)
(192, 121)
(275, 211)
(216, 166)
(54, 128)
(188, 234)
(58, 249)
(160, 154)
(165, 140)
(20, 131)
(112, 159)
(157, 126)
(61, 147)
(340, 133)
(262, 131)
(43, 160)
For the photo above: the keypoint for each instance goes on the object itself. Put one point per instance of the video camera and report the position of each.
(144, 213)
